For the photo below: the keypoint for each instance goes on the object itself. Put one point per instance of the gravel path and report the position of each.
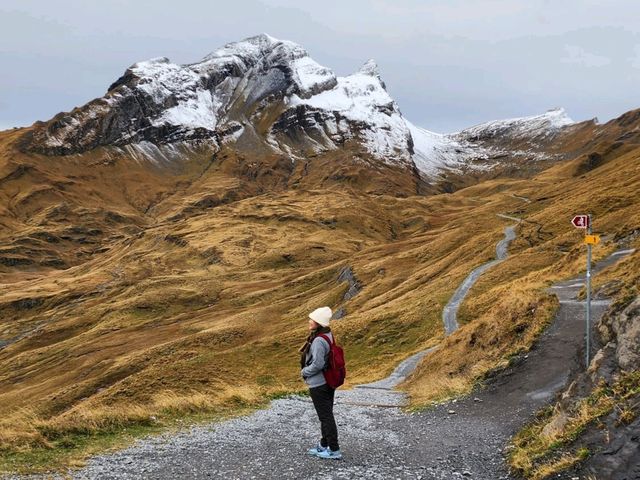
(461, 439)
(450, 311)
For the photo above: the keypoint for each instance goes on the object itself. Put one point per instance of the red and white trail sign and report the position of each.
(580, 221)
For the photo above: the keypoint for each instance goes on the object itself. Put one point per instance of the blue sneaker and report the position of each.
(317, 450)
(328, 453)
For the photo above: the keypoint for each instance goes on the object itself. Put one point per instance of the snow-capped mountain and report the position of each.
(267, 96)
(229, 95)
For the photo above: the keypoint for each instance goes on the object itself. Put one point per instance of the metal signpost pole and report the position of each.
(584, 222)
(588, 290)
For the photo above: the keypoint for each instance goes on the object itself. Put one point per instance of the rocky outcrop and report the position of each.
(347, 275)
(620, 333)
(612, 439)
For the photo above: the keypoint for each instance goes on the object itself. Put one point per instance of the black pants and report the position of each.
(322, 397)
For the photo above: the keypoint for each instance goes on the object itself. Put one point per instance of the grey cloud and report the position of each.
(575, 54)
(449, 64)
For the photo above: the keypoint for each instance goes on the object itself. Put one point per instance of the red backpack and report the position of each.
(335, 371)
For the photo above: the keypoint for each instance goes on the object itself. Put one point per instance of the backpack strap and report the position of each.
(322, 335)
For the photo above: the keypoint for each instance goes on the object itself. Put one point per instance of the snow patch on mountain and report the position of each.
(521, 127)
(434, 152)
(311, 77)
(361, 99)
(197, 111)
(355, 96)
(167, 83)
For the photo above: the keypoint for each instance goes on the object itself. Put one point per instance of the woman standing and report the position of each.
(313, 360)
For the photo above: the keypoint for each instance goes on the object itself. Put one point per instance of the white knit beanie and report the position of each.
(321, 316)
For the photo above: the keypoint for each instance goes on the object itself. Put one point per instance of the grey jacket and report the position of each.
(315, 361)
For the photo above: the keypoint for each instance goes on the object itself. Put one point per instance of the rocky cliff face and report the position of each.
(620, 333)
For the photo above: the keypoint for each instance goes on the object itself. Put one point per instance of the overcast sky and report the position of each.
(449, 64)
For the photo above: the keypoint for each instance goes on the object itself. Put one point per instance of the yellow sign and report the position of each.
(592, 239)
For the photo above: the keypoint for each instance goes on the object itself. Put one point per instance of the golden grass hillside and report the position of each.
(204, 312)
(196, 302)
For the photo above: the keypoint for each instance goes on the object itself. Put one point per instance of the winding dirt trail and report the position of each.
(449, 317)
(450, 312)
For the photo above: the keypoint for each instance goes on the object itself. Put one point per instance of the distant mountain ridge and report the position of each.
(268, 97)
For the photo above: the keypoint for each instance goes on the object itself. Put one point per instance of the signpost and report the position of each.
(581, 221)
(592, 239)
(584, 222)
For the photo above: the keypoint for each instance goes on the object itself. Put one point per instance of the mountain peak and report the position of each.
(264, 37)
(252, 48)
(370, 67)
(559, 116)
